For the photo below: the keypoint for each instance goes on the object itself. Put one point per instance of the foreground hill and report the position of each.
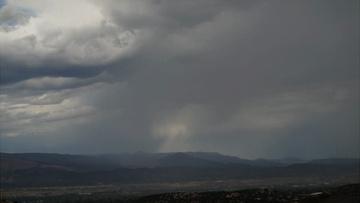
(346, 193)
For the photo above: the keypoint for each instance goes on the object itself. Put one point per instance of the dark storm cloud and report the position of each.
(248, 78)
(16, 72)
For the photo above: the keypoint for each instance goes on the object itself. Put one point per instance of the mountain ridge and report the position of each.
(38, 170)
(153, 160)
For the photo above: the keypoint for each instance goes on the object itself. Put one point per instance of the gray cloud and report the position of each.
(9, 15)
(252, 79)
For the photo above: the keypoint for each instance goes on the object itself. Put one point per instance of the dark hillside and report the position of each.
(76, 162)
(182, 159)
(336, 161)
(38, 170)
(347, 193)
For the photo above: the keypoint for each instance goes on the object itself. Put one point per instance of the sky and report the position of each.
(253, 79)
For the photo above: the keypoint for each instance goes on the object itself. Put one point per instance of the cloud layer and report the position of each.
(247, 78)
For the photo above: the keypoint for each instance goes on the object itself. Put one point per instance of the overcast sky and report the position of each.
(253, 79)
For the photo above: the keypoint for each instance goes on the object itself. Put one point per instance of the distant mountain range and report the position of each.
(44, 169)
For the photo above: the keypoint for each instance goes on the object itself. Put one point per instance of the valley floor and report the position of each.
(124, 192)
